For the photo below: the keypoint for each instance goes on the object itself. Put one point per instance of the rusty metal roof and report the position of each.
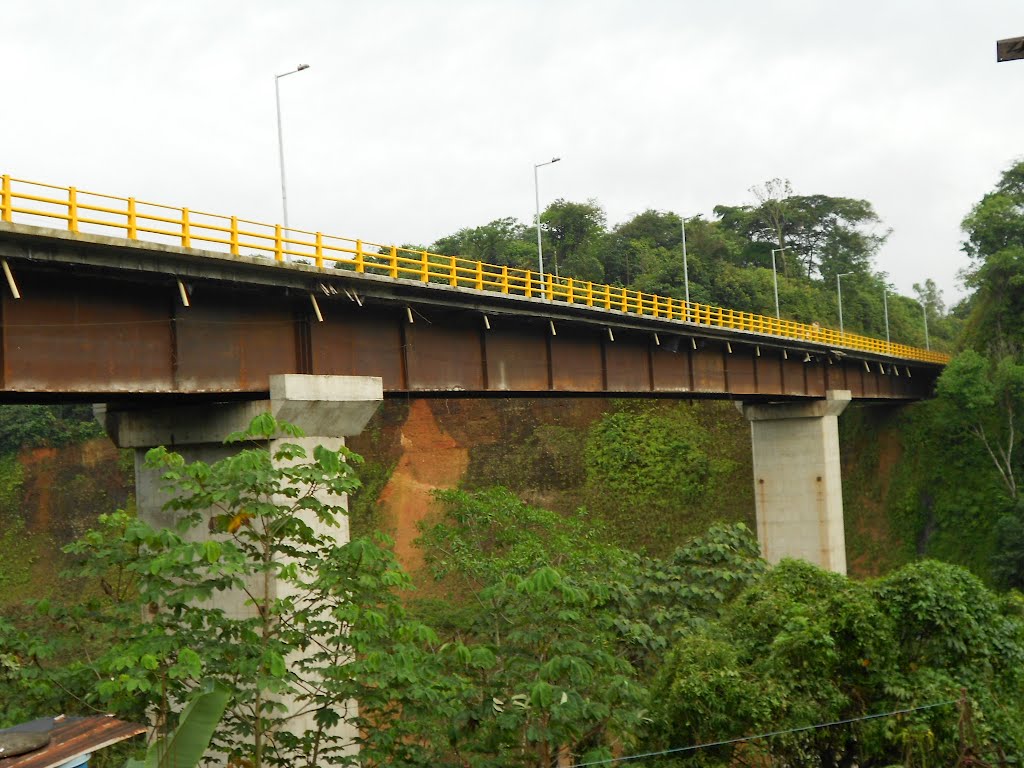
(73, 737)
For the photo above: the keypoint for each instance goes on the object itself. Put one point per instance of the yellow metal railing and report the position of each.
(80, 211)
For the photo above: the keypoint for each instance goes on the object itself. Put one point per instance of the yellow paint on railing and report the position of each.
(186, 241)
(34, 202)
(5, 198)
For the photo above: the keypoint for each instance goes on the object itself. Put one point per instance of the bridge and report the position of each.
(185, 323)
(128, 299)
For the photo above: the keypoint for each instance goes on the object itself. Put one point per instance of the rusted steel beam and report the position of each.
(96, 324)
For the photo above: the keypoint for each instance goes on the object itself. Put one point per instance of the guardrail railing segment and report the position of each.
(77, 210)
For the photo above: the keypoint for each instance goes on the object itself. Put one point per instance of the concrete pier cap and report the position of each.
(336, 406)
(835, 403)
(798, 491)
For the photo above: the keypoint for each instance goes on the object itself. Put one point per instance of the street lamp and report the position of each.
(536, 192)
(924, 311)
(775, 278)
(885, 305)
(280, 138)
(686, 272)
(839, 290)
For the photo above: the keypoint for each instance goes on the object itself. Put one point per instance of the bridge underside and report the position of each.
(98, 321)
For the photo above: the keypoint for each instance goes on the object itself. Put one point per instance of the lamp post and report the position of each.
(924, 312)
(536, 193)
(839, 291)
(885, 305)
(775, 278)
(686, 272)
(280, 138)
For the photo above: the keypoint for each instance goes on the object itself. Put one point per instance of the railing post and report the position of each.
(453, 272)
(133, 232)
(570, 290)
(528, 285)
(319, 250)
(6, 204)
(278, 247)
(607, 296)
(590, 293)
(424, 267)
(504, 279)
(549, 289)
(360, 261)
(393, 262)
(186, 229)
(72, 209)
(625, 303)
(234, 236)
(479, 285)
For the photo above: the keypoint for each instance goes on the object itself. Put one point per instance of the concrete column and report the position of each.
(798, 488)
(326, 408)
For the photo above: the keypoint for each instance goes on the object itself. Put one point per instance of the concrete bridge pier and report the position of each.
(326, 408)
(797, 484)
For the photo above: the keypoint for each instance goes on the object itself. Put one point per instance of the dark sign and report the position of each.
(1010, 49)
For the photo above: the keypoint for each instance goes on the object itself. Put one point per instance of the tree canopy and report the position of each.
(728, 259)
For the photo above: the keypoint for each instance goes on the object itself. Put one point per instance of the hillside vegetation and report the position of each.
(728, 258)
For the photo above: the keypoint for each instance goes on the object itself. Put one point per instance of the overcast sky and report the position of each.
(417, 118)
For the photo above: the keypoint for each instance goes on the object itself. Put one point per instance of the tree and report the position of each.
(995, 243)
(771, 199)
(325, 626)
(986, 397)
(800, 647)
(824, 235)
(572, 230)
(504, 242)
(930, 297)
(535, 646)
(618, 251)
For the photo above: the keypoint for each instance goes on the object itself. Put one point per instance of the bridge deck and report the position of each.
(106, 318)
(78, 211)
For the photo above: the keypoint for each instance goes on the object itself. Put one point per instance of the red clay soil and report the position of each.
(431, 458)
(37, 464)
(64, 489)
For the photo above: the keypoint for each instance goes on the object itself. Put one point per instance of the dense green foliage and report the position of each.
(729, 259)
(718, 646)
(32, 426)
(268, 542)
(685, 463)
(655, 460)
(562, 646)
(575, 626)
(803, 646)
(981, 392)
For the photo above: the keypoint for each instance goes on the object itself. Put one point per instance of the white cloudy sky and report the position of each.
(418, 117)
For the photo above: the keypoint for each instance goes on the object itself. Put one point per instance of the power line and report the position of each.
(767, 735)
